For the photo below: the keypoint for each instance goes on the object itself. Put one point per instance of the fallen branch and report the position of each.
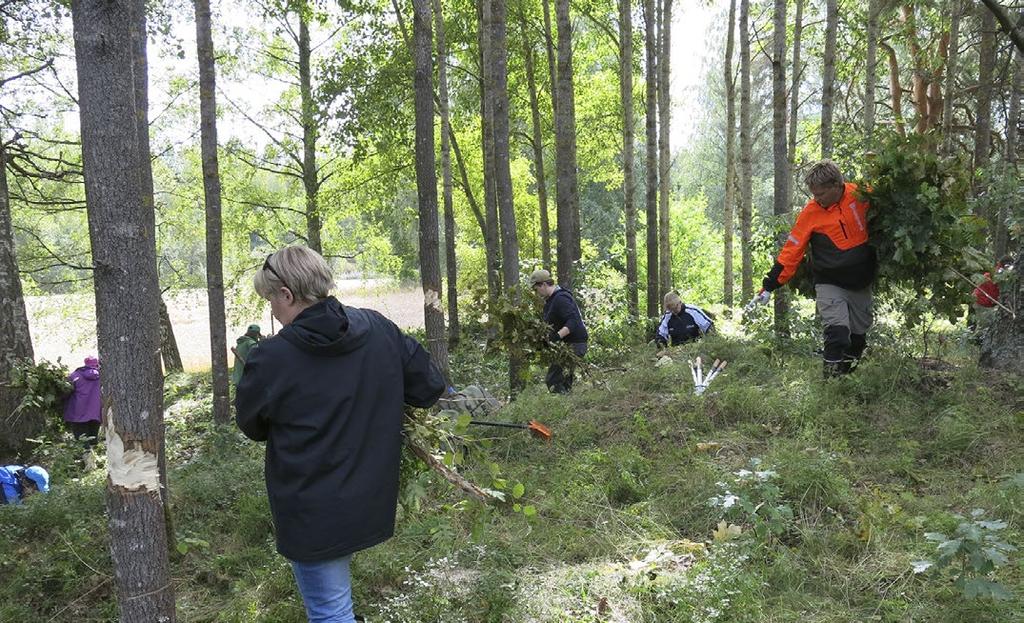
(452, 476)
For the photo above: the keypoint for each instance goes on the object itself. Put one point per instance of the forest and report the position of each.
(580, 219)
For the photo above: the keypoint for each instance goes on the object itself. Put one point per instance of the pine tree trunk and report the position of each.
(211, 190)
(491, 241)
(794, 93)
(986, 67)
(168, 345)
(314, 223)
(746, 156)
(651, 186)
(628, 174)
(871, 69)
(549, 44)
(664, 149)
(781, 194)
(566, 187)
(426, 184)
(952, 61)
(828, 82)
(122, 234)
(728, 286)
(15, 338)
(538, 148)
(503, 174)
(1002, 235)
(450, 264)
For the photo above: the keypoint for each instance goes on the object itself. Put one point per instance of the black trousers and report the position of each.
(89, 430)
(560, 375)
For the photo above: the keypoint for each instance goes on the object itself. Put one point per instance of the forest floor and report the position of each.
(844, 479)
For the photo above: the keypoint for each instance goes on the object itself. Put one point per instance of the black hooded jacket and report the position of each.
(327, 395)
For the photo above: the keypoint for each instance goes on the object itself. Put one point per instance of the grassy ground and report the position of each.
(866, 465)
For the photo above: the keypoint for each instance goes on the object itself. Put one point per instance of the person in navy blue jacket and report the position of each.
(563, 315)
(327, 395)
(682, 323)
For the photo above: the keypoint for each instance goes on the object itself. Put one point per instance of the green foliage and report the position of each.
(752, 496)
(919, 223)
(975, 550)
(43, 385)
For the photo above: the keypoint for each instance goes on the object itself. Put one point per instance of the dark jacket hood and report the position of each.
(328, 328)
(91, 374)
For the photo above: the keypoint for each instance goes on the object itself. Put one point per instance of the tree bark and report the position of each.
(503, 174)
(728, 286)
(628, 173)
(1002, 235)
(794, 92)
(952, 60)
(538, 148)
(211, 190)
(1014, 31)
(895, 90)
(828, 81)
(450, 264)
(566, 186)
(651, 186)
(781, 195)
(746, 155)
(871, 70)
(664, 149)
(426, 185)
(15, 338)
(122, 235)
(168, 345)
(986, 67)
(491, 241)
(549, 44)
(310, 183)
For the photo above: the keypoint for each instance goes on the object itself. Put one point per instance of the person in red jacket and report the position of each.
(834, 224)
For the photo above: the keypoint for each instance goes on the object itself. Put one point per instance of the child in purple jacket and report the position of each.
(82, 406)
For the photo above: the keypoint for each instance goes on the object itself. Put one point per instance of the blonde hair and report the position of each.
(300, 269)
(672, 298)
(824, 173)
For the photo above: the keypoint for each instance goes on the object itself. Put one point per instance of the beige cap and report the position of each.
(540, 276)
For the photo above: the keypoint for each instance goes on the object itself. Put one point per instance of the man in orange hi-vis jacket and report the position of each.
(834, 223)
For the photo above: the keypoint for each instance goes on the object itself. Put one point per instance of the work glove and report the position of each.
(553, 337)
(761, 298)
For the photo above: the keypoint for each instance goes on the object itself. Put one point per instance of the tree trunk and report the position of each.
(1013, 30)
(951, 68)
(310, 183)
(538, 148)
(566, 187)
(919, 79)
(211, 190)
(15, 338)
(781, 196)
(871, 69)
(628, 174)
(1002, 235)
(502, 171)
(794, 92)
(664, 150)
(895, 90)
(549, 44)
(730, 159)
(986, 67)
(491, 241)
(450, 263)
(746, 156)
(426, 185)
(168, 345)
(1002, 345)
(828, 81)
(651, 186)
(122, 235)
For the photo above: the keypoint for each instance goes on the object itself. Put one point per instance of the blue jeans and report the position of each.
(326, 588)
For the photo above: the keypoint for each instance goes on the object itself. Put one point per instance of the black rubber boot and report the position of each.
(858, 342)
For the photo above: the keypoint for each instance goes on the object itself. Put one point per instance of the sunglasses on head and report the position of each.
(267, 266)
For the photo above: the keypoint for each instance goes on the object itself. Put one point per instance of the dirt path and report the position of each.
(65, 326)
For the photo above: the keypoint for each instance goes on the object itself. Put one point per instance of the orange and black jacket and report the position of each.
(838, 235)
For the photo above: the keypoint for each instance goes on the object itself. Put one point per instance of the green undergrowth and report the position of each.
(843, 479)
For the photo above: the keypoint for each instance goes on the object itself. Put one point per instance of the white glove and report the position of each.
(761, 298)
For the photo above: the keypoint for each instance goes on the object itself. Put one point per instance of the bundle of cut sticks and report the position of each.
(701, 382)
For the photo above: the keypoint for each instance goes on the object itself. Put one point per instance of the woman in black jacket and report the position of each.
(326, 394)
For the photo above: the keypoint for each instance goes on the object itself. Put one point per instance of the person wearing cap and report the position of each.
(681, 323)
(243, 346)
(327, 395)
(82, 408)
(563, 315)
(834, 225)
(18, 482)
